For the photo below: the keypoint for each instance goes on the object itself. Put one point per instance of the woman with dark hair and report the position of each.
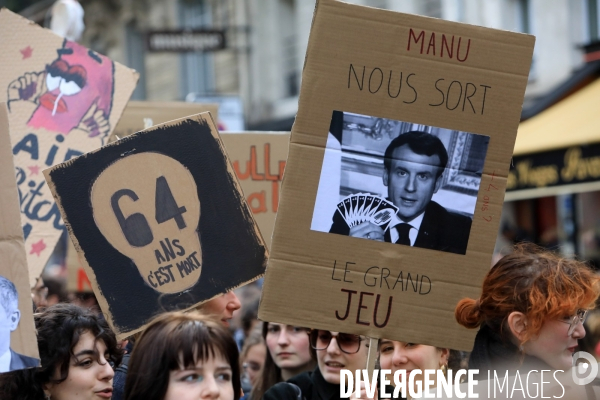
(335, 351)
(76, 349)
(288, 354)
(182, 356)
(530, 312)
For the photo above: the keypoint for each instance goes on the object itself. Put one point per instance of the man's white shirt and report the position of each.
(5, 361)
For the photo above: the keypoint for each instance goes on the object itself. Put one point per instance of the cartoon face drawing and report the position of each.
(79, 87)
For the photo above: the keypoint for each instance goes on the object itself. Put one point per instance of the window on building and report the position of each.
(593, 20)
(136, 58)
(197, 72)
(289, 48)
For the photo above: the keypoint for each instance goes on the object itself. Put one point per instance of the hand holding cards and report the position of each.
(357, 209)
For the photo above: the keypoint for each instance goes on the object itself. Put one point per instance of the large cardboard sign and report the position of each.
(63, 100)
(139, 115)
(159, 221)
(15, 296)
(396, 173)
(258, 159)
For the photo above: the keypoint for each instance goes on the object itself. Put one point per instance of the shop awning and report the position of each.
(571, 122)
(558, 150)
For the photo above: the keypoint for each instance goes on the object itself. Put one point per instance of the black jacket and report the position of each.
(312, 385)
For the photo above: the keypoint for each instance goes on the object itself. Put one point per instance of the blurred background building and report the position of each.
(255, 72)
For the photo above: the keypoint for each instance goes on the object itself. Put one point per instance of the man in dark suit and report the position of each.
(414, 164)
(10, 316)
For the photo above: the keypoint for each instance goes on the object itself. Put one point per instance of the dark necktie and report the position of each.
(403, 230)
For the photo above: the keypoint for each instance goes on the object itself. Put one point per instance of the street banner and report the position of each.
(159, 221)
(16, 314)
(63, 101)
(396, 174)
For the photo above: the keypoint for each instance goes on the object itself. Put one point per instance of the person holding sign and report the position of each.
(530, 313)
(76, 349)
(414, 164)
(183, 356)
(10, 316)
(336, 351)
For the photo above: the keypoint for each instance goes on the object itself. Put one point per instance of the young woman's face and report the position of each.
(288, 345)
(553, 344)
(89, 378)
(210, 379)
(254, 361)
(332, 360)
(394, 355)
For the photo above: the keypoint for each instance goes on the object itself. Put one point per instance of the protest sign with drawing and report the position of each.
(159, 221)
(396, 173)
(63, 100)
(17, 336)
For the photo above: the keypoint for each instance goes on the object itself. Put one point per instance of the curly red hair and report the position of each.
(536, 282)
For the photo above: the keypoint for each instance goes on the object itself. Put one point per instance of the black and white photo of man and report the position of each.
(414, 164)
(9, 321)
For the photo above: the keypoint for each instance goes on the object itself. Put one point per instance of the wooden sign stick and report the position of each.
(372, 356)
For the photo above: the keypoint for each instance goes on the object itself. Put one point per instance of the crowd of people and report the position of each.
(530, 316)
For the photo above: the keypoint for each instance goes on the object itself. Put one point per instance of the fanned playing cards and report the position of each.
(364, 207)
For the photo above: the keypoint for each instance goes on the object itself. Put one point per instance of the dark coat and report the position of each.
(440, 229)
(20, 361)
(313, 387)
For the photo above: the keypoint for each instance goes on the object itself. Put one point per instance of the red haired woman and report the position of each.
(530, 313)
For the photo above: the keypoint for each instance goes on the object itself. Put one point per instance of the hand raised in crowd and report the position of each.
(367, 230)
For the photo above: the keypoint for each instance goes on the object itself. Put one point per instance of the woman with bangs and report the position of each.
(530, 312)
(76, 349)
(182, 356)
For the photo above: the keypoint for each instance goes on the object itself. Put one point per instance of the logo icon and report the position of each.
(584, 372)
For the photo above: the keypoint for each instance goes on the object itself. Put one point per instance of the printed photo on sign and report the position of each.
(399, 182)
(159, 221)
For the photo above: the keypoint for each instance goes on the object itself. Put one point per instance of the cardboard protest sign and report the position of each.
(258, 159)
(156, 112)
(159, 221)
(15, 296)
(396, 173)
(77, 280)
(63, 100)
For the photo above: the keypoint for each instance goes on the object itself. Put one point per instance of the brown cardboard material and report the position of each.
(156, 112)
(393, 69)
(13, 261)
(63, 100)
(77, 280)
(159, 221)
(258, 159)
